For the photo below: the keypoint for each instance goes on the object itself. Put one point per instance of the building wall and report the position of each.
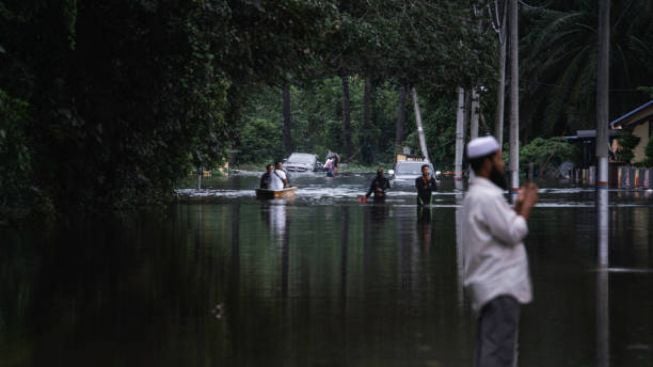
(641, 131)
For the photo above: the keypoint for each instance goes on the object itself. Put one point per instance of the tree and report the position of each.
(366, 135)
(287, 119)
(547, 155)
(346, 119)
(117, 115)
(15, 156)
(401, 118)
(560, 59)
(627, 143)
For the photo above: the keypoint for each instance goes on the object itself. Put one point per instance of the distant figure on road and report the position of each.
(330, 167)
(279, 177)
(496, 272)
(425, 185)
(378, 186)
(266, 178)
(335, 161)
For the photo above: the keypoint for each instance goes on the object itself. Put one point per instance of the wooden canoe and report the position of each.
(275, 194)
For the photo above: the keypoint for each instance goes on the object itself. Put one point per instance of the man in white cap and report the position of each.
(495, 262)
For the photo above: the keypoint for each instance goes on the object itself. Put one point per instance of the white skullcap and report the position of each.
(481, 147)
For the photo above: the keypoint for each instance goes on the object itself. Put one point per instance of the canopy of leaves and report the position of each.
(15, 157)
(112, 102)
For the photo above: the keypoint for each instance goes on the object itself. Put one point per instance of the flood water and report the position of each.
(226, 280)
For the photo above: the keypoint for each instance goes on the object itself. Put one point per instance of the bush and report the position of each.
(547, 154)
(627, 142)
(15, 157)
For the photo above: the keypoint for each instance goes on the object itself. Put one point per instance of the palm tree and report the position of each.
(560, 61)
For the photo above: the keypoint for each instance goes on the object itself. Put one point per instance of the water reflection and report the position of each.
(603, 227)
(424, 229)
(602, 281)
(247, 283)
(276, 214)
(460, 264)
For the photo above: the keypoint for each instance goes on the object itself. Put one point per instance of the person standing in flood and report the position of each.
(378, 186)
(329, 167)
(425, 185)
(279, 178)
(496, 273)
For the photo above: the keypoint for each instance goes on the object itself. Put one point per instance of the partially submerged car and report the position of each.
(408, 170)
(302, 163)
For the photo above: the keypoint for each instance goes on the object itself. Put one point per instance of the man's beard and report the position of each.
(498, 178)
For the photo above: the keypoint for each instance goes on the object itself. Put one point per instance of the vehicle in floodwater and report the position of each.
(302, 163)
(406, 171)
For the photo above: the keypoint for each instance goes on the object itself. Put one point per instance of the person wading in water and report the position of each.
(425, 185)
(378, 186)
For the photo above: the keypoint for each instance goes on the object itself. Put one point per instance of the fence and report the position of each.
(621, 177)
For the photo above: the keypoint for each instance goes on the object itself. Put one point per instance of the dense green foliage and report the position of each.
(125, 96)
(627, 143)
(547, 155)
(14, 152)
(121, 98)
(317, 122)
(559, 50)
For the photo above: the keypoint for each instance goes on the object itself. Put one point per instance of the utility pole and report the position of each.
(460, 139)
(602, 96)
(473, 129)
(514, 96)
(500, 27)
(420, 128)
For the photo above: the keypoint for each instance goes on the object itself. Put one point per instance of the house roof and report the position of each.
(640, 114)
(587, 135)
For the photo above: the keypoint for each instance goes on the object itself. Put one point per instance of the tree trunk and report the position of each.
(420, 128)
(366, 130)
(473, 129)
(401, 119)
(346, 118)
(514, 96)
(287, 120)
(602, 93)
(233, 116)
(460, 139)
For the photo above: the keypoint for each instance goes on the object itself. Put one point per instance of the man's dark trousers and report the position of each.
(496, 336)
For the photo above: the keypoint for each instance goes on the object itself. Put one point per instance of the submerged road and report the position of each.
(225, 279)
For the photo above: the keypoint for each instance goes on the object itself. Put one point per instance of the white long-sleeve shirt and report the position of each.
(495, 261)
